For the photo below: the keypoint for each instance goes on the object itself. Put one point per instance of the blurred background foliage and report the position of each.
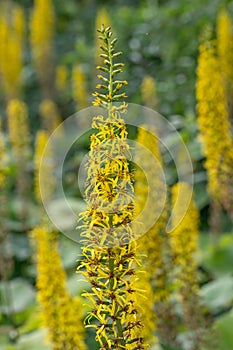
(159, 39)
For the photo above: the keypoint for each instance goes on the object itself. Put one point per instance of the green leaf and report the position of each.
(63, 215)
(225, 327)
(34, 340)
(219, 259)
(33, 321)
(16, 296)
(219, 293)
(69, 251)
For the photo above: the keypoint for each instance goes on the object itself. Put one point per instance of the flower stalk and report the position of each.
(109, 251)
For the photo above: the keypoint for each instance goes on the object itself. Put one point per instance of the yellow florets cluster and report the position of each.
(42, 32)
(149, 92)
(11, 51)
(214, 126)
(112, 276)
(61, 78)
(50, 115)
(184, 250)
(109, 255)
(151, 245)
(110, 209)
(184, 239)
(19, 135)
(43, 170)
(80, 94)
(18, 129)
(61, 313)
(225, 45)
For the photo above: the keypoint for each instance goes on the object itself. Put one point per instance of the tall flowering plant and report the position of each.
(109, 252)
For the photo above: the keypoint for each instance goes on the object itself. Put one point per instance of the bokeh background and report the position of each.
(48, 58)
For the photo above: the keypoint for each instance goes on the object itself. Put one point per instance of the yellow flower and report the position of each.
(151, 245)
(80, 95)
(149, 92)
(184, 239)
(18, 128)
(19, 22)
(11, 51)
(50, 115)
(214, 126)
(184, 250)
(42, 24)
(225, 47)
(109, 252)
(61, 313)
(61, 78)
(20, 141)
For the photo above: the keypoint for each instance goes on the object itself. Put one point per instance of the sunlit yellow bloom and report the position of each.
(60, 312)
(214, 126)
(50, 115)
(18, 129)
(110, 254)
(11, 51)
(184, 250)
(41, 36)
(151, 245)
(79, 87)
(149, 92)
(184, 239)
(61, 78)
(225, 46)
(19, 22)
(19, 135)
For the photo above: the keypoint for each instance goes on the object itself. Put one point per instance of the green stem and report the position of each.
(110, 73)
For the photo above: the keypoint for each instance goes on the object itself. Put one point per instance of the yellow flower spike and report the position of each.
(225, 50)
(184, 239)
(11, 51)
(184, 249)
(18, 128)
(42, 24)
(49, 112)
(149, 92)
(60, 313)
(151, 245)
(214, 126)
(80, 94)
(19, 22)
(108, 254)
(19, 135)
(61, 78)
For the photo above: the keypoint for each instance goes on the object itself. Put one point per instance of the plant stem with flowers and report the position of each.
(109, 251)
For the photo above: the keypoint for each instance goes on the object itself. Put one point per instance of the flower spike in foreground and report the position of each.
(109, 253)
